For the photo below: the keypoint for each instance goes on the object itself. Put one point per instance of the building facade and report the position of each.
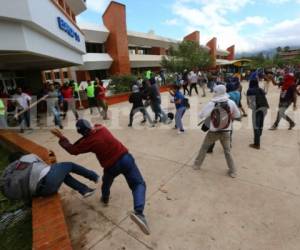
(38, 35)
(289, 54)
(112, 49)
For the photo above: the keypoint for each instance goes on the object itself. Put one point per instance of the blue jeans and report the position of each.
(3, 123)
(60, 173)
(126, 166)
(56, 113)
(159, 113)
(178, 118)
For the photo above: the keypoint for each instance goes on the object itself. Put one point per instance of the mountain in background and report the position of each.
(266, 53)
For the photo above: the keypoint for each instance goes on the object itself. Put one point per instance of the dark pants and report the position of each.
(139, 109)
(126, 166)
(281, 114)
(60, 173)
(193, 86)
(258, 118)
(185, 89)
(24, 119)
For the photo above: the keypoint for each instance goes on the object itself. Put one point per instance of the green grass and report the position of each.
(19, 235)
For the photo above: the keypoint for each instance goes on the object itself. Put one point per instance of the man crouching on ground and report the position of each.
(115, 159)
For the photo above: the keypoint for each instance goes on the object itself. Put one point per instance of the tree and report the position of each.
(189, 55)
(286, 48)
(279, 49)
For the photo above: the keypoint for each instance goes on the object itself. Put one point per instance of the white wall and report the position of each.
(31, 25)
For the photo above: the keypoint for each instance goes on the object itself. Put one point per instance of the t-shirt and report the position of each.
(287, 96)
(100, 93)
(235, 96)
(179, 96)
(23, 100)
(2, 107)
(67, 92)
(90, 90)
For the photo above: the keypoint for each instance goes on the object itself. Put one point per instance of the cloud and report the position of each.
(213, 19)
(97, 5)
(171, 22)
(253, 20)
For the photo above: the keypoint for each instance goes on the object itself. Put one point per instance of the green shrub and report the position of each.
(121, 83)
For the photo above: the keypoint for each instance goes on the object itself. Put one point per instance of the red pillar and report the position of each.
(212, 44)
(231, 51)
(114, 18)
(194, 37)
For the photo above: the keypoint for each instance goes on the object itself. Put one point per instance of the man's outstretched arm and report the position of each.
(73, 149)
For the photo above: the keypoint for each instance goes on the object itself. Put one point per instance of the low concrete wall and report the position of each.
(48, 222)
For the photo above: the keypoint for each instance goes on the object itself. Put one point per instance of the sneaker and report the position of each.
(196, 165)
(143, 121)
(254, 146)
(129, 125)
(104, 201)
(292, 125)
(61, 126)
(273, 127)
(140, 220)
(180, 132)
(232, 174)
(89, 193)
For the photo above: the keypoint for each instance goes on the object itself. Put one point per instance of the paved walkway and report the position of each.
(190, 209)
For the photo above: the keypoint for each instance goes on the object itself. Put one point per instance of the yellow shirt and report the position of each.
(2, 107)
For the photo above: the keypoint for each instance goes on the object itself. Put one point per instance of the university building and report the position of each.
(113, 49)
(38, 35)
(41, 42)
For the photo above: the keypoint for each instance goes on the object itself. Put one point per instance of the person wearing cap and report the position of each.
(114, 157)
(136, 99)
(3, 123)
(217, 134)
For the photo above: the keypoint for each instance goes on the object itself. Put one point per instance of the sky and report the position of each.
(252, 25)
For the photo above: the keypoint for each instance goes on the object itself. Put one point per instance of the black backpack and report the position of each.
(221, 115)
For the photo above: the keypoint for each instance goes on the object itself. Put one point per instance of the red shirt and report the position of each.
(101, 93)
(67, 93)
(101, 142)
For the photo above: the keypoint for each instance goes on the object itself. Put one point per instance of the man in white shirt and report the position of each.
(22, 102)
(220, 132)
(193, 78)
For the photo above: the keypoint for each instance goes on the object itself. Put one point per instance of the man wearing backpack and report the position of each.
(28, 176)
(221, 111)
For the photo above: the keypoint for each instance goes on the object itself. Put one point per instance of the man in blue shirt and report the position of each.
(180, 108)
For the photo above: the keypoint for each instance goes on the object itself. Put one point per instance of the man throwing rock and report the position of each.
(115, 159)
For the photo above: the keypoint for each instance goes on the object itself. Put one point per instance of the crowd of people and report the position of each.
(217, 118)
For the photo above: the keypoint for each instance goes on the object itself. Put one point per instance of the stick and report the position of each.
(31, 106)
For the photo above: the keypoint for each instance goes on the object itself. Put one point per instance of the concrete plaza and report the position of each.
(188, 209)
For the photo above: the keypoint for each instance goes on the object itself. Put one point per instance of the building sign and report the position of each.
(68, 29)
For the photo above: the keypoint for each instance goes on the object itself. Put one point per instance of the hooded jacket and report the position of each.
(220, 96)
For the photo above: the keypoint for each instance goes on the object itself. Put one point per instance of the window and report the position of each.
(95, 48)
(48, 76)
(57, 76)
(66, 74)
